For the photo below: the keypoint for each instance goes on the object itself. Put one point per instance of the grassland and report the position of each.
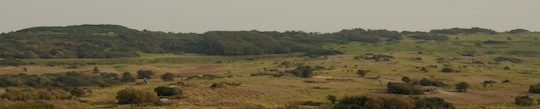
(340, 80)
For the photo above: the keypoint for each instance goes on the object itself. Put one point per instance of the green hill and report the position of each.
(113, 41)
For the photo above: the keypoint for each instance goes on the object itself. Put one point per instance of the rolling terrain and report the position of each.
(252, 69)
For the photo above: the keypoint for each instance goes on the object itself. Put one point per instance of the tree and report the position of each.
(141, 74)
(462, 86)
(524, 101)
(96, 70)
(127, 77)
(331, 98)
(134, 96)
(167, 91)
(167, 77)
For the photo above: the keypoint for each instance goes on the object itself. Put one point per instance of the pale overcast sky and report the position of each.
(273, 15)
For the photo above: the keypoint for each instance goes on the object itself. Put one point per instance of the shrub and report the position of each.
(141, 74)
(96, 70)
(12, 62)
(67, 79)
(404, 88)
(24, 94)
(78, 92)
(362, 73)
(303, 71)
(127, 77)
(167, 91)
(524, 101)
(167, 77)
(331, 98)
(406, 79)
(133, 96)
(432, 103)
(448, 70)
(428, 82)
(534, 88)
(462, 86)
(375, 102)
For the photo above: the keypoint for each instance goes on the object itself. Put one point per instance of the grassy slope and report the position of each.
(278, 92)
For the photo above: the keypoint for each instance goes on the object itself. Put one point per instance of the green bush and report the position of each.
(524, 101)
(67, 79)
(24, 94)
(429, 82)
(167, 91)
(141, 74)
(127, 77)
(404, 88)
(134, 96)
(78, 92)
(375, 102)
(462, 86)
(167, 77)
(12, 62)
(432, 103)
(534, 88)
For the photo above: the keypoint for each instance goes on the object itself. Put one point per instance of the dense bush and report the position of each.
(524, 101)
(391, 102)
(134, 96)
(24, 94)
(12, 62)
(436, 37)
(404, 88)
(141, 74)
(375, 57)
(534, 88)
(64, 80)
(362, 73)
(432, 103)
(462, 86)
(303, 71)
(448, 70)
(167, 77)
(429, 82)
(167, 91)
(406, 79)
(79, 92)
(375, 102)
(127, 77)
(455, 31)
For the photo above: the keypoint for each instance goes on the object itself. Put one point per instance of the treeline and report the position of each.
(113, 41)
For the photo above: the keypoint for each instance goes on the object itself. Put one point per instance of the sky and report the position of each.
(273, 15)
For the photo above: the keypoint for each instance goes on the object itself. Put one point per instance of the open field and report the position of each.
(339, 79)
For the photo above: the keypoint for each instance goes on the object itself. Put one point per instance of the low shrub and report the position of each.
(404, 88)
(524, 101)
(134, 96)
(167, 91)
